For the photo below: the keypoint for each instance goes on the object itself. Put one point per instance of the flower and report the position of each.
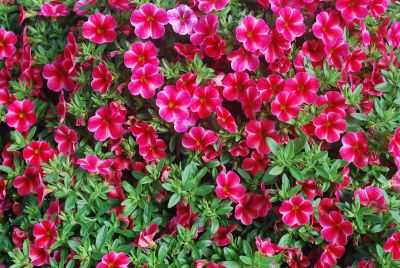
(100, 28)
(45, 234)
(198, 138)
(107, 123)
(145, 238)
(286, 106)
(267, 248)
(101, 78)
(55, 10)
(242, 60)
(153, 150)
(393, 37)
(251, 102)
(149, 21)
(394, 144)
(145, 80)
(277, 47)
(235, 84)
(57, 77)
(334, 228)
(20, 115)
(373, 197)
(229, 186)
(354, 61)
(205, 100)
(144, 133)
(66, 139)
(29, 182)
(225, 119)
(114, 260)
(253, 33)
(214, 46)
(93, 164)
(331, 253)
(290, 23)
(296, 211)
(3, 188)
(182, 19)
(246, 210)
(328, 126)
(355, 148)
(208, 5)
(173, 105)
(305, 85)
(206, 26)
(352, 9)
(140, 54)
(223, 235)
(257, 132)
(392, 245)
(7, 41)
(37, 152)
(334, 102)
(38, 256)
(327, 27)
(270, 86)
(257, 162)
(120, 4)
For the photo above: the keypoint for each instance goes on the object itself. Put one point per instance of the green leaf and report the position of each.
(276, 170)
(296, 173)
(244, 174)
(285, 240)
(285, 183)
(246, 260)
(204, 190)
(173, 200)
(101, 237)
(359, 116)
(273, 145)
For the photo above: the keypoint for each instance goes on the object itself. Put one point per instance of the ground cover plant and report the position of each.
(199, 133)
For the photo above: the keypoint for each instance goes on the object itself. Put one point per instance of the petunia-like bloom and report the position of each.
(329, 126)
(114, 260)
(100, 28)
(140, 54)
(57, 77)
(290, 23)
(45, 234)
(393, 36)
(235, 84)
(246, 210)
(334, 101)
(242, 60)
(277, 47)
(331, 254)
(229, 186)
(354, 61)
(38, 256)
(270, 86)
(304, 85)
(101, 78)
(20, 115)
(29, 182)
(120, 4)
(206, 26)
(373, 197)
(353, 9)
(153, 150)
(253, 33)
(205, 100)
(394, 144)
(198, 138)
(355, 148)
(286, 106)
(296, 211)
(149, 21)
(53, 11)
(223, 235)
(107, 123)
(225, 119)
(145, 80)
(327, 27)
(182, 19)
(208, 5)
(173, 105)
(37, 152)
(392, 245)
(144, 133)
(267, 248)
(66, 139)
(334, 228)
(93, 164)
(214, 46)
(257, 132)
(7, 41)
(145, 238)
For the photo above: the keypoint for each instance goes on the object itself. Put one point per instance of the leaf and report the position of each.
(101, 237)
(296, 173)
(299, 143)
(244, 174)
(174, 199)
(285, 240)
(285, 183)
(204, 190)
(70, 202)
(6, 169)
(276, 170)
(246, 260)
(188, 172)
(273, 145)
(359, 116)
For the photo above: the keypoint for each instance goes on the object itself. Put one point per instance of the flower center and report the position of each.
(36, 151)
(21, 115)
(328, 124)
(1, 43)
(100, 30)
(283, 107)
(150, 19)
(296, 207)
(203, 100)
(143, 79)
(171, 105)
(223, 119)
(250, 35)
(141, 58)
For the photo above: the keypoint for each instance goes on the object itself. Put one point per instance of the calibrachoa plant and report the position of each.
(200, 133)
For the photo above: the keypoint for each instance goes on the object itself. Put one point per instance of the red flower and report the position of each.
(335, 102)
(242, 60)
(141, 54)
(267, 248)
(257, 132)
(373, 197)
(392, 245)
(182, 19)
(334, 228)
(355, 148)
(153, 150)
(145, 238)
(57, 10)
(270, 86)
(66, 139)
(107, 123)
(305, 85)
(37, 152)
(198, 138)
(328, 126)
(7, 41)
(223, 235)
(144, 133)
(149, 21)
(145, 80)
(327, 27)
(229, 186)
(120, 4)
(257, 162)
(38, 256)
(114, 260)
(3, 188)
(173, 104)
(214, 46)
(290, 23)
(286, 106)
(45, 234)
(331, 253)
(208, 5)
(353, 9)
(335, 53)
(251, 102)
(277, 47)
(206, 26)
(101, 78)
(225, 119)
(205, 100)
(296, 211)
(20, 115)
(235, 84)
(57, 77)
(353, 62)
(253, 33)
(29, 182)
(394, 144)
(100, 28)
(93, 164)
(246, 210)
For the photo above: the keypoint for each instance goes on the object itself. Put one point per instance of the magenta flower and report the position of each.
(45, 234)
(277, 47)
(225, 119)
(327, 27)
(7, 41)
(66, 139)
(145, 80)
(355, 148)
(57, 77)
(209, 5)
(257, 132)
(114, 260)
(141, 54)
(20, 115)
(253, 33)
(304, 85)
(286, 106)
(100, 28)
(101, 78)
(296, 211)
(198, 138)
(37, 152)
(173, 104)
(334, 228)
(331, 254)
(182, 19)
(205, 100)
(153, 150)
(353, 9)
(235, 84)
(149, 21)
(242, 60)
(229, 186)
(392, 245)
(145, 238)
(290, 23)
(53, 10)
(329, 126)
(373, 197)
(38, 256)
(206, 26)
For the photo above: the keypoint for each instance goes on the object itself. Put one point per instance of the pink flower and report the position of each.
(327, 27)
(153, 150)
(392, 245)
(66, 139)
(355, 148)
(235, 84)
(223, 235)
(267, 248)
(57, 10)
(141, 54)
(93, 164)
(57, 77)
(182, 19)
(286, 106)
(270, 86)
(107, 123)
(100, 28)
(304, 85)
(214, 46)
(29, 182)
(394, 144)
(20, 115)
(373, 197)
(257, 132)
(334, 102)
(329, 126)
(208, 5)
(277, 47)
(229, 186)
(114, 260)
(242, 60)
(334, 228)
(145, 238)
(296, 211)
(101, 78)
(206, 26)
(120, 4)
(225, 119)
(173, 104)
(257, 162)
(354, 61)
(331, 253)
(38, 256)
(37, 152)
(144, 133)
(251, 102)
(378, 7)
(145, 80)
(290, 23)
(205, 100)
(7, 41)
(353, 9)
(393, 35)
(45, 234)
(335, 53)
(253, 33)
(149, 21)
(246, 210)
(198, 138)
(3, 188)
